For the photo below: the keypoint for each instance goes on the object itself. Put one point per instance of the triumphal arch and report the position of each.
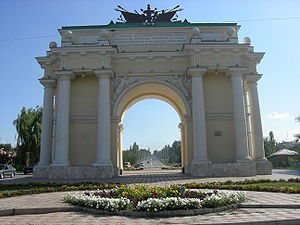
(203, 70)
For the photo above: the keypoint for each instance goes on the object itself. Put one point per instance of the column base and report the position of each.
(201, 162)
(42, 166)
(263, 167)
(79, 172)
(238, 169)
(40, 171)
(243, 160)
(102, 164)
(61, 164)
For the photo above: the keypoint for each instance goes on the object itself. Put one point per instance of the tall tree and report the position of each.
(28, 126)
(7, 147)
(297, 136)
(270, 144)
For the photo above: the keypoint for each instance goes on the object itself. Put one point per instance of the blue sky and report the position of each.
(279, 38)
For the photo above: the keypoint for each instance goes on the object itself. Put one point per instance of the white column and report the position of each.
(183, 148)
(120, 152)
(255, 119)
(47, 119)
(199, 123)
(103, 119)
(62, 119)
(239, 116)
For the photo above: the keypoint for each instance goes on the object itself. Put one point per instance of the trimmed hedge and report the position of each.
(248, 185)
(37, 188)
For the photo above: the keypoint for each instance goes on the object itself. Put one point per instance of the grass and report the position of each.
(10, 190)
(279, 184)
(285, 186)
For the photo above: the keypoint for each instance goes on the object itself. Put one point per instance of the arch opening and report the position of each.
(161, 92)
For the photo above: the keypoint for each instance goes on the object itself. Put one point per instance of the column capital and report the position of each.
(253, 78)
(121, 127)
(181, 126)
(197, 71)
(48, 83)
(105, 74)
(115, 119)
(64, 74)
(237, 71)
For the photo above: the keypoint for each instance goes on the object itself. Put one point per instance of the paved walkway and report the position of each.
(155, 177)
(262, 207)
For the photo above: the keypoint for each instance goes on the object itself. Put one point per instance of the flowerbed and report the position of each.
(153, 199)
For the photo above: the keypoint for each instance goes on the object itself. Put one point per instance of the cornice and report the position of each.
(256, 56)
(64, 74)
(197, 48)
(105, 73)
(253, 78)
(85, 48)
(196, 71)
(237, 71)
(48, 82)
(44, 60)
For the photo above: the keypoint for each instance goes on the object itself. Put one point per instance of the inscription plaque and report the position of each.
(150, 39)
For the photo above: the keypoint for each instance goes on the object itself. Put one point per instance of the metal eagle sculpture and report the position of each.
(148, 15)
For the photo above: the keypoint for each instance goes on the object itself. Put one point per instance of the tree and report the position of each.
(6, 153)
(28, 126)
(297, 136)
(7, 147)
(169, 154)
(270, 144)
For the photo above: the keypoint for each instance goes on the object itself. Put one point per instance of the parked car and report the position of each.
(7, 171)
(127, 165)
(29, 169)
(141, 165)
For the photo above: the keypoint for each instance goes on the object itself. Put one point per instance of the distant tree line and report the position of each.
(135, 155)
(169, 154)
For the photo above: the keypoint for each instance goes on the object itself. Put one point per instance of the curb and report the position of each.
(20, 211)
(171, 213)
(271, 206)
(11, 212)
(161, 214)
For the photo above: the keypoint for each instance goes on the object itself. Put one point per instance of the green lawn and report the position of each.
(278, 184)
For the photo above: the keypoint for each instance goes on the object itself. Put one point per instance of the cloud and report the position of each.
(276, 115)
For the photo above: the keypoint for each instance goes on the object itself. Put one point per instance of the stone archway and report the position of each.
(199, 68)
(151, 89)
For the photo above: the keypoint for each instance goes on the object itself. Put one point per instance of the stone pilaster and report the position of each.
(199, 123)
(62, 119)
(47, 123)
(103, 119)
(239, 115)
(183, 149)
(120, 153)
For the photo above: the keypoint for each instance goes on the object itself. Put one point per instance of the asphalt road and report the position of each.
(153, 163)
